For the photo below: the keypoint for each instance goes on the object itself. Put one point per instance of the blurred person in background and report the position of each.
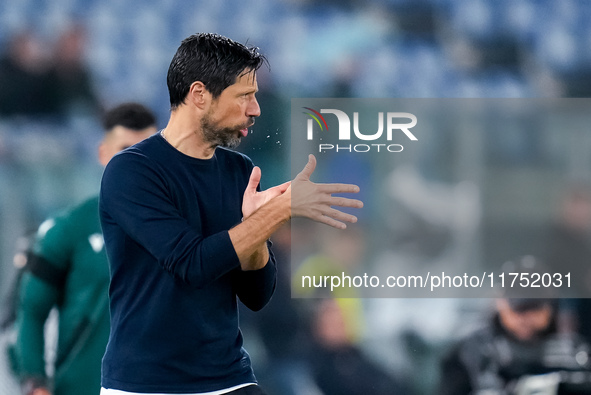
(338, 254)
(41, 80)
(569, 245)
(568, 250)
(338, 366)
(514, 350)
(73, 84)
(67, 268)
(25, 78)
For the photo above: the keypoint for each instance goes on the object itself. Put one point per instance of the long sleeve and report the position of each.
(174, 269)
(255, 288)
(39, 293)
(138, 200)
(37, 298)
(66, 270)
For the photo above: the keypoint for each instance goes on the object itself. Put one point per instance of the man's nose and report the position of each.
(253, 109)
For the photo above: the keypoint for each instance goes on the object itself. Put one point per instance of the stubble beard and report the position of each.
(228, 137)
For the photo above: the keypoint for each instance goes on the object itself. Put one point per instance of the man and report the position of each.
(514, 352)
(186, 231)
(338, 365)
(68, 269)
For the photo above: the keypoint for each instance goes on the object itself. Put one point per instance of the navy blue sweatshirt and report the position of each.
(175, 276)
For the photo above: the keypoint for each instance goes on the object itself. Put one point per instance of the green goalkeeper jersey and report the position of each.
(68, 269)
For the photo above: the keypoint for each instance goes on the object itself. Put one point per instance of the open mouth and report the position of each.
(244, 131)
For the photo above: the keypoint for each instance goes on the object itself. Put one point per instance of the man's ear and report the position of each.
(103, 153)
(198, 95)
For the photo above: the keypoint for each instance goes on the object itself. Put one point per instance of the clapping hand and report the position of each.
(315, 201)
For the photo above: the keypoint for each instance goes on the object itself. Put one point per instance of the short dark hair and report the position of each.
(215, 60)
(133, 116)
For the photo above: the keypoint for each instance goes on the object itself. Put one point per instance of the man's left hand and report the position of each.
(254, 199)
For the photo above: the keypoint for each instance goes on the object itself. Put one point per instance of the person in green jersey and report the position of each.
(68, 269)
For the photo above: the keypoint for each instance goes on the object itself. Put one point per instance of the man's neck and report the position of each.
(182, 134)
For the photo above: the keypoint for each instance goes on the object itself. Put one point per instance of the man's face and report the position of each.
(120, 138)
(232, 113)
(524, 325)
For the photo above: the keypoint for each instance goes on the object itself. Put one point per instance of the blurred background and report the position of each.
(62, 62)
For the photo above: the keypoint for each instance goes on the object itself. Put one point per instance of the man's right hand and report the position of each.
(264, 212)
(315, 201)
